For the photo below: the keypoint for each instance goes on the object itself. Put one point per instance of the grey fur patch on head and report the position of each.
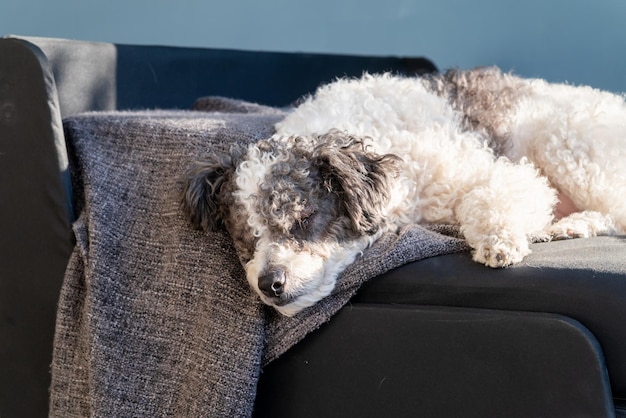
(207, 197)
(203, 183)
(319, 182)
(360, 178)
(322, 187)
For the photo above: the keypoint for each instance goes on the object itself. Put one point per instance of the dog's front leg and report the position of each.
(495, 241)
(499, 215)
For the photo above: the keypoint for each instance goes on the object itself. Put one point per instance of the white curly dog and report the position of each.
(508, 160)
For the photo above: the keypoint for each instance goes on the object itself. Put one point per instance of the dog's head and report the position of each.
(299, 210)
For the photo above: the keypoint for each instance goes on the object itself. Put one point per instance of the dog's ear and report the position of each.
(203, 185)
(362, 180)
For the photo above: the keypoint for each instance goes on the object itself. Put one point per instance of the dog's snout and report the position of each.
(272, 283)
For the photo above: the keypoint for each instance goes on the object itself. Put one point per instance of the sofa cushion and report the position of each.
(584, 279)
(383, 360)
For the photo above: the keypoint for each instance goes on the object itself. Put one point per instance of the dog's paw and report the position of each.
(581, 225)
(540, 236)
(562, 232)
(498, 253)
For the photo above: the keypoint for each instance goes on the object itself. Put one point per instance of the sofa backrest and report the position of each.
(104, 76)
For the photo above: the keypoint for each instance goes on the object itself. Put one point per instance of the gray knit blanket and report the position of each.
(156, 318)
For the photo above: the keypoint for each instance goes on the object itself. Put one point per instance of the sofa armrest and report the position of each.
(36, 237)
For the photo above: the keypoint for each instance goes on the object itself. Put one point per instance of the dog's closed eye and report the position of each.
(303, 223)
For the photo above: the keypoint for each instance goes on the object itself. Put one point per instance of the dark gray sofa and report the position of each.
(442, 337)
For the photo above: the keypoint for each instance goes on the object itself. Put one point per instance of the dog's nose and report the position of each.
(272, 284)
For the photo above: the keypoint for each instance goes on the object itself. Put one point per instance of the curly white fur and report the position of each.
(449, 175)
(487, 151)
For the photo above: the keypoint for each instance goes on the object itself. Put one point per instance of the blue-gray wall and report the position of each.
(578, 41)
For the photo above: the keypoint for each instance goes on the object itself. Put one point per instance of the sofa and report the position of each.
(440, 336)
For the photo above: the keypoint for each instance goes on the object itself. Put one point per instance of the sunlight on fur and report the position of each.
(486, 151)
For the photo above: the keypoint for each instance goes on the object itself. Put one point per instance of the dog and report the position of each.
(508, 160)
